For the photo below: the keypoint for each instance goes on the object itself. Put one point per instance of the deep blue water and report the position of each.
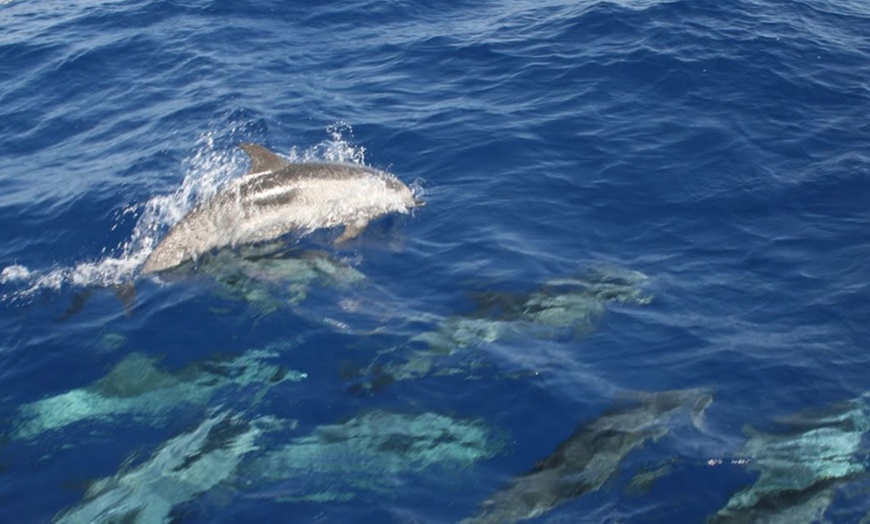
(708, 163)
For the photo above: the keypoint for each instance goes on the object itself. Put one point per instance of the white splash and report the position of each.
(14, 273)
(210, 168)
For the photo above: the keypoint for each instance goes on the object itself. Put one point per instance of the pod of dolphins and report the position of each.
(800, 468)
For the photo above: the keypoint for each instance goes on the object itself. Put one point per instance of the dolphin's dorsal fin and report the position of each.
(262, 159)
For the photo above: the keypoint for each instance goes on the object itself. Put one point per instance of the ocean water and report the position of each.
(637, 291)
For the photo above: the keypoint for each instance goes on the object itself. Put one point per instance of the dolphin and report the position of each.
(373, 452)
(276, 197)
(139, 388)
(185, 467)
(592, 455)
(570, 306)
(802, 465)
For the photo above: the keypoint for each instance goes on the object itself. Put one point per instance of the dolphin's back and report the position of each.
(276, 197)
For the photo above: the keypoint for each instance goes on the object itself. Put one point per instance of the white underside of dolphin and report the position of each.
(277, 197)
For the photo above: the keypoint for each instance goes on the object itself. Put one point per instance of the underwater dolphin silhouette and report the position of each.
(591, 455)
(276, 197)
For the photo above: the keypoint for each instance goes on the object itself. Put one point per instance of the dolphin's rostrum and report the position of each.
(276, 197)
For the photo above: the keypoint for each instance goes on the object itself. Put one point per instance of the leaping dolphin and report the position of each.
(276, 197)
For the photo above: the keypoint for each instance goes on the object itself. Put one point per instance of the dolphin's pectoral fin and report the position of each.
(352, 231)
(262, 159)
(126, 293)
(77, 304)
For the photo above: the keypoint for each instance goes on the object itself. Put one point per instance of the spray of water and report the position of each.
(206, 172)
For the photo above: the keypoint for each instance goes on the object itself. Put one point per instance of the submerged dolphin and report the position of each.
(276, 197)
(182, 469)
(138, 388)
(374, 452)
(558, 306)
(802, 465)
(592, 455)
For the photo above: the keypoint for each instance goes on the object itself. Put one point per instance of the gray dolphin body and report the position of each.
(802, 466)
(182, 469)
(592, 455)
(138, 388)
(276, 197)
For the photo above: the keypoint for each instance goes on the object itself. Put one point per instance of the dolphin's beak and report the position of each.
(419, 202)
